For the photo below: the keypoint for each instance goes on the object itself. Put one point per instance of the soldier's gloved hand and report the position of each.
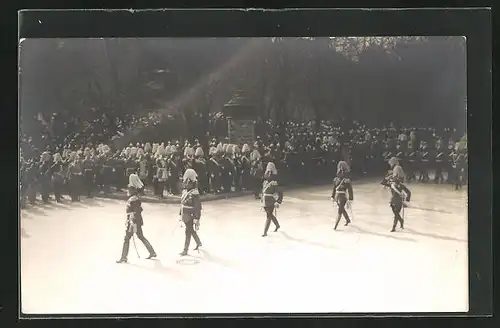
(196, 224)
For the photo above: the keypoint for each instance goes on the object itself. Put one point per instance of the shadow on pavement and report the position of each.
(305, 241)
(160, 268)
(391, 235)
(434, 236)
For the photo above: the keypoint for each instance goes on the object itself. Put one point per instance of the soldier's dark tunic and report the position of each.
(133, 224)
(440, 164)
(257, 172)
(245, 172)
(270, 189)
(57, 180)
(88, 176)
(341, 186)
(190, 213)
(214, 170)
(400, 194)
(45, 180)
(424, 164)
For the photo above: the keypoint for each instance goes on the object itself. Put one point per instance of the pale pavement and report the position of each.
(68, 257)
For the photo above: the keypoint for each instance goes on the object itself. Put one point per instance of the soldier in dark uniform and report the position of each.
(133, 225)
(45, 176)
(424, 162)
(411, 161)
(75, 174)
(214, 170)
(200, 166)
(458, 167)
(341, 186)
(229, 169)
(161, 175)
(190, 211)
(245, 167)
(174, 171)
(269, 189)
(440, 160)
(58, 176)
(256, 172)
(236, 158)
(32, 176)
(88, 175)
(400, 194)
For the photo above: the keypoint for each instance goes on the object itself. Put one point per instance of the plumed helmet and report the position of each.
(229, 150)
(255, 155)
(199, 152)
(393, 161)
(154, 149)
(147, 147)
(135, 181)
(190, 175)
(57, 157)
(212, 151)
(219, 149)
(173, 149)
(236, 149)
(245, 149)
(133, 151)
(189, 152)
(342, 166)
(140, 152)
(224, 148)
(271, 169)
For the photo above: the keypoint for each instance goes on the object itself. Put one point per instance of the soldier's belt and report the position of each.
(187, 206)
(340, 192)
(268, 195)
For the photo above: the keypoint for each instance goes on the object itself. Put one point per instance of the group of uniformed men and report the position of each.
(224, 167)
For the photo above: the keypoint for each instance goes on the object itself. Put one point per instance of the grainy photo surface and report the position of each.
(243, 175)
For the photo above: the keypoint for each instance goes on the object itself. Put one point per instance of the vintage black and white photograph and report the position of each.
(243, 175)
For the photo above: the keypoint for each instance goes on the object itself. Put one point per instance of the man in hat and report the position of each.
(134, 224)
(190, 211)
(400, 194)
(269, 189)
(341, 186)
(229, 168)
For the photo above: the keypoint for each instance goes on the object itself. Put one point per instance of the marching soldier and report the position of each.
(269, 189)
(190, 211)
(236, 158)
(397, 170)
(161, 174)
(133, 225)
(440, 160)
(400, 194)
(341, 185)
